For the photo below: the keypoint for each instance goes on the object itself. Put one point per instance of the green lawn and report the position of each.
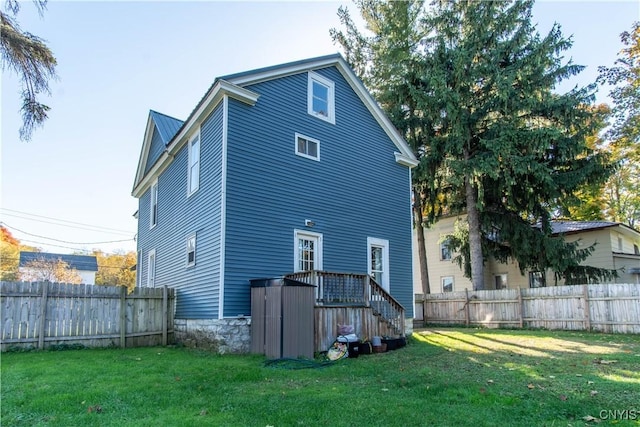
(443, 377)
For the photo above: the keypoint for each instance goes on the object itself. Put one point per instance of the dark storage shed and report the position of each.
(282, 318)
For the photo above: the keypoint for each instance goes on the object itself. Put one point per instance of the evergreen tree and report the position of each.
(494, 138)
(30, 58)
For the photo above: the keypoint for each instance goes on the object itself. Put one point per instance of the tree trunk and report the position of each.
(475, 242)
(422, 250)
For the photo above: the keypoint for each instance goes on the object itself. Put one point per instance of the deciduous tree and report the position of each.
(56, 271)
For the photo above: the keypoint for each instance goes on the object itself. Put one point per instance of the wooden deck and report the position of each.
(351, 299)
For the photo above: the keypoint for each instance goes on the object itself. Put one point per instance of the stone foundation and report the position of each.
(218, 335)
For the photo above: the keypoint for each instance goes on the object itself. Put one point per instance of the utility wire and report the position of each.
(75, 224)
(65, 241)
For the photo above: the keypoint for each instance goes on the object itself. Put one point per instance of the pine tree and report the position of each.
(30, 58)
(494, 138)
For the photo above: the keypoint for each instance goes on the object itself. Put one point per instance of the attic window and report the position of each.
(321, 97)
(307, 147)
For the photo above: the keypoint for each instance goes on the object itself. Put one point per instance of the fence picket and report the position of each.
(41, 314)
(597, 307)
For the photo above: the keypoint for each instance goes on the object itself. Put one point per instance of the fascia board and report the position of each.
(278, 72)
(144, 153)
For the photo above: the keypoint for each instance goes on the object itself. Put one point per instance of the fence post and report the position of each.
(43, 313)
(165, 309)
(123, 316)
(520, 303)
(466, 307)
(587, 309)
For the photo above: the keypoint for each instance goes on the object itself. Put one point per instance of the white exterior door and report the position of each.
(378, 254)
(308, 251)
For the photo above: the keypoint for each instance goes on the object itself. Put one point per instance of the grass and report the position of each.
(443, 377)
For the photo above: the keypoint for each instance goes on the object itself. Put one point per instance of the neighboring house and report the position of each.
(86, 266)
(617, 247)
(278, 170)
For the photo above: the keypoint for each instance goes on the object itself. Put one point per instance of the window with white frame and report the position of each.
(447, 283)
(153, 217)
(378, 251)
(194, 163)
(321, 97)
(307, 147)
(445, 252)
(500, 280)
(308, 251)
(151, 269)
(191, 250)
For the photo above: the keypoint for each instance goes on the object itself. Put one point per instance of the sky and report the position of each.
(69, 189)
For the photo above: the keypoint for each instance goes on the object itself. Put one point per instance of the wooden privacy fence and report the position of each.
(43, 314)
(603, 307)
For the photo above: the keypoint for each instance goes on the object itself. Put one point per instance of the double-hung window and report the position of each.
(307, 147)
(447, 283)
(191, 250)
(151, 269)
(445, 252)
(153, 220)
(321, 97)
(194, 163)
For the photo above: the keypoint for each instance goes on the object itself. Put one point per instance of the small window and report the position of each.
(501, 281)
(536, 279)
(307, 147)
(321, 97)
(194, 163)
(151, 269)
(139, 270)
(447, 283)
(445, 253)
(191, 250)
(154, 205)
(636, 250)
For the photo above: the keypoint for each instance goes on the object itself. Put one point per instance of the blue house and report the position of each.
(286, 170)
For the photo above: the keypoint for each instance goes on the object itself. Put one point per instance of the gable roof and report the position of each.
(79, 262)
(167, 126)
(233, 85)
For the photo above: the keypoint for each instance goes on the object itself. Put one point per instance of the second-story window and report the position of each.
(445, 253)
(154, 205)
(321, 97)
(307, 147)
(194, 163)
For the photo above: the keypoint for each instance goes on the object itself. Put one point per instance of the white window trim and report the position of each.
(191, 190)
(443, 242)
(386, 264)
(297, 234)
(139, 269)
(299, 135)
(453, 283)
(153, 205)
(151, 267)
(331, 101)
(195, 246)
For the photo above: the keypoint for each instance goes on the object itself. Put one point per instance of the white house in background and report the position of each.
(617, 247)
(86, 266)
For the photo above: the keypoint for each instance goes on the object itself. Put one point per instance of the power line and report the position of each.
(13, 213)
(65, 241)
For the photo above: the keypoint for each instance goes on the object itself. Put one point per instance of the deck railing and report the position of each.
(342, 289)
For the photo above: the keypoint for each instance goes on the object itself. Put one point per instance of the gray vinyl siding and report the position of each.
(355, 191)
(180, 216)
(156, 149)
